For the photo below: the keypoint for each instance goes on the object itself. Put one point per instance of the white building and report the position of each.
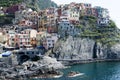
(103, 21)
(72, 14)
(103, 16)
(32, 32)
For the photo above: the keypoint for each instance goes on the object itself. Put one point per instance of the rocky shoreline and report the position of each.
(74, 62)
(46, 67)
(30, 69)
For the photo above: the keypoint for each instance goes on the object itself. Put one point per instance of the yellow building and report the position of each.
(40, 36)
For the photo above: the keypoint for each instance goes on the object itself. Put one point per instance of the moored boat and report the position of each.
(58, 74)
(74, 74)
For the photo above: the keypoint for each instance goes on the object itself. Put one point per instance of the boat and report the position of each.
(57, 76)
(74, 74)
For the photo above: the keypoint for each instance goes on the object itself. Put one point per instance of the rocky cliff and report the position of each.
(76, 48)
(92, 42)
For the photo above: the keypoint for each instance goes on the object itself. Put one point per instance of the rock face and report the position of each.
(114, 52)
(84, 49)
(74, 48)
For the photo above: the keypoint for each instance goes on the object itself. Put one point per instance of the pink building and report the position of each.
(18, 39)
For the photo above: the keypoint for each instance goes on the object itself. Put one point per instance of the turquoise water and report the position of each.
(93, 71)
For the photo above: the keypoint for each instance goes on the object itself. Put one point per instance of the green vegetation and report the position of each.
(7, 3)
(43, 4)
(6, 19)
(107, 35)
(34, 4)
(40, 4)
(112, 24)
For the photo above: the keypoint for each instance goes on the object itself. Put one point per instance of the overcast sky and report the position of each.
(112, 5)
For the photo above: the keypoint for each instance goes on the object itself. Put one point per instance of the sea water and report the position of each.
(92, 71)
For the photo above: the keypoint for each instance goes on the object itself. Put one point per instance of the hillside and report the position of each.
(108, 35)
(34, 4)
(93, 42)
(40, 4)
(7, 3)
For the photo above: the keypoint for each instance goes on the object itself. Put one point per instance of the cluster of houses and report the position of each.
(28, 38)
(45, 27)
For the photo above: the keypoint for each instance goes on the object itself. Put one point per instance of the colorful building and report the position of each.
(11, 38)
(103, 16)
(50, 40)
(22, 40)
(40, 36)
(65, 28)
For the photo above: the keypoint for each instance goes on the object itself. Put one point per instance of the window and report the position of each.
(53, 44)
(52, 40)
(32, 52)
(27, 52)
(67, 28)
(12, 44)
(12, 39)
(25, 39)
(49, 40)
(37, 52)
(61, 27)
(20, 42)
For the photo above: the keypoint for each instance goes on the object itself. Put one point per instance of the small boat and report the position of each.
(57, 76)
(74, 74)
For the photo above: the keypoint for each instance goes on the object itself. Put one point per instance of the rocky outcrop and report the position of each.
(46, 62)
(113, 52)
(76, 48)
(28, 69)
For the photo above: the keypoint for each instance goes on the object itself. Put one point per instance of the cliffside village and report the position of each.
(44, 28)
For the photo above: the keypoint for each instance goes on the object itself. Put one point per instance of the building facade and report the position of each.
(50, 41)
(65, 28)
(103, 16)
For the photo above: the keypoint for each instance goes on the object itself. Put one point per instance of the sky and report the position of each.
(112, 5)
